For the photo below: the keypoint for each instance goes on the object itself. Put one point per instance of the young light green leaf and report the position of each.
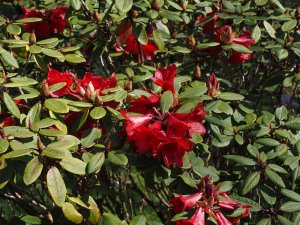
(71, 213)
(269, 29)
(56, 186)
(166, 101)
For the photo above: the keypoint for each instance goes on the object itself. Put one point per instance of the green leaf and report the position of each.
(65, 142)
(56, 105)
(140, 34)
(267, 141)
(13, 29)
(261, 2)
(289, 25)
(281, 113)
(96, 162)
(90, 136)
(8, 58)
(73, 165)
(76, 4)
(207, 45)
(11, 105)
(166, 101)
(255, 207)
(29, 20)
(274, 177)
(293, 123)
(251, 182)
(159, 41)
(188, 180)
(4, 144)
(95, 216)
(56, 153)
(35, 49)
(123, 6)
(98, 113)
(52, 53)
(138, 220)
(290, 207)
(117, 159)
(256, 34)
(18, 132)
(56, 186)
(277, 168)
(284, 221)
(265, 221)
(17, 153)
(32, 171)
(241, 48)
(271, 200)
(291, 194)
(73, 58)
(47, 41)
(15, 42)
(228, 5)
(269, 29)
(110, 219)
(230, 96)
(240, 160)
(71, 213)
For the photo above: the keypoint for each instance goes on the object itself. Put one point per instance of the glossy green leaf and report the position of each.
(56, 105)
(166, 101)
(251, 182)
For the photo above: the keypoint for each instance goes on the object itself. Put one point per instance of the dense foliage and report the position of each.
(149, 112)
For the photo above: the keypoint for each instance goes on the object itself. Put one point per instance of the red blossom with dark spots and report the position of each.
(208, 200)
(53, 21)
(164, 77)
(54, 77)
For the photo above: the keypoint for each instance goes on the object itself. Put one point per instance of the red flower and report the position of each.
(55, 77)
(210, 201)
(210, 25)
(145, 104)
(193, 119)
(147, 50)
(146, 139)
(172, 150)
(176, 127)
(237, 57)
(53, 21)
(6, 120)
(164, 77)
(182, 203)
(197, 219)
(133, 122)
(213, 86)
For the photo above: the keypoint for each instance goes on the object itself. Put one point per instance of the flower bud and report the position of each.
(190, 42)
(82, 91)
(135, 14)
(298, 12)
(96, 16)
(45, 88)
(155, 5)
(227, 36)
(197, 73)
(32, 38)
(128, 86)
(99, 100)
(40, 145)
(213, 86)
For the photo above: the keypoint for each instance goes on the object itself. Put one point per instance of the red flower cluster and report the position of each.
(208, 200)
(165, 135)
(89, 87)
(53, 21)
(224, 35)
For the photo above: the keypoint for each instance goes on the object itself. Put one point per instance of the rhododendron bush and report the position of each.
(149, 112)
